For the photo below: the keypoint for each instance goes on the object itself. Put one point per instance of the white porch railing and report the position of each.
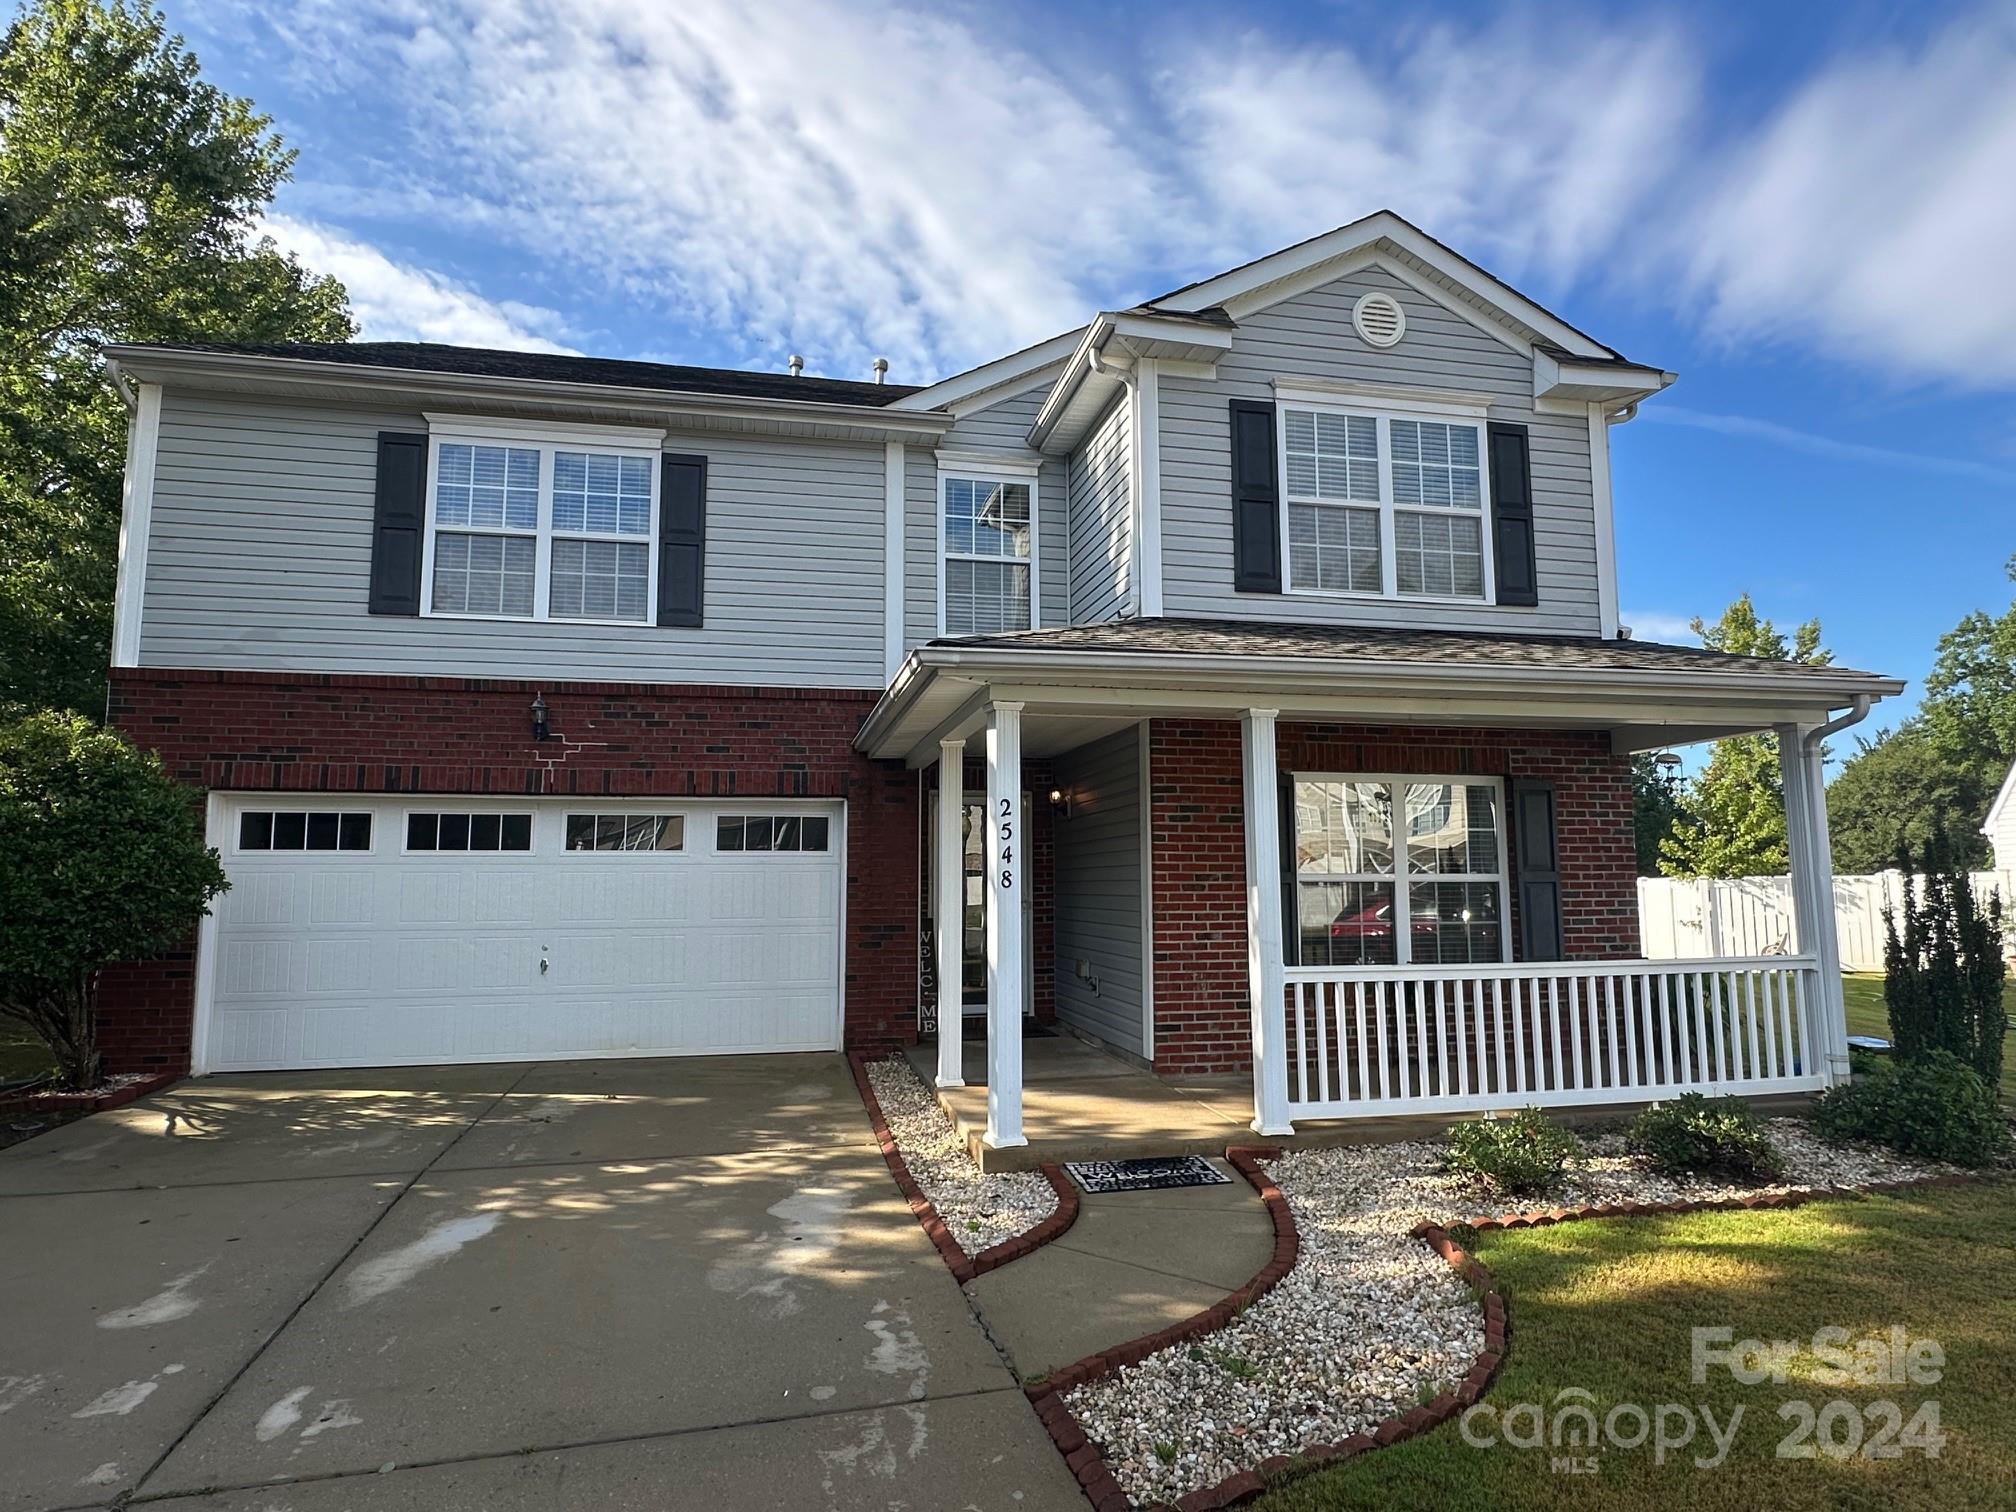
(1370, 1041)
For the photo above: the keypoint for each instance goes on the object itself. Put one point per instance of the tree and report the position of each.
(1970, 694)
(1735, 809)
(1655, 809)
(106, 862)
(128, 193)
(1942, 958)
(1904, 788)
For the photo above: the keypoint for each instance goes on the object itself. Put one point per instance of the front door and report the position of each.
(972, 976)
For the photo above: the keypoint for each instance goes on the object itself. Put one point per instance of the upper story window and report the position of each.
(987, 523)
(541, 522)
(1383, 504)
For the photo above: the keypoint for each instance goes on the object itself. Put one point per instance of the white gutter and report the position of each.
(1854, 716)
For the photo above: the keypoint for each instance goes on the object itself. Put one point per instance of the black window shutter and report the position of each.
(1512, 515)
(1291, 897)
(1256, 499)
(682, 539)
(1539, 880)
(399, 515)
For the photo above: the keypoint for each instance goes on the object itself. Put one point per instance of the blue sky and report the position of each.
(1805, 211)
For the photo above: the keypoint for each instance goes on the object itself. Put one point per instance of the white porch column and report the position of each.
(950, 910)
(1007, 865)
(1267, 981)
(1810, 852)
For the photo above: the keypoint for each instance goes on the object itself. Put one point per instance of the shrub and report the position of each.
(1523, 1155)
(1943, 965)
(1936, 1107)
(1693, 1134)
(105, 861)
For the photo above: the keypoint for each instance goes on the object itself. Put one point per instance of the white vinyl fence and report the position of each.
(1752, 916)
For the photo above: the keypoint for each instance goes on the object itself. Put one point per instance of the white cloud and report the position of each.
(1825, 446)
(942, 186)
(1872, 214)
(395, 301)
(1652, 625)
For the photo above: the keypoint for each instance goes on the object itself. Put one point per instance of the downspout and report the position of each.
(1854, 716)
(1095, 362)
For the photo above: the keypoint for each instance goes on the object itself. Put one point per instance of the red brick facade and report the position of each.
(1201, 1020)
(338, 733)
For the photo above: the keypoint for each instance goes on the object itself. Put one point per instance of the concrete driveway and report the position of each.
(627, 1284)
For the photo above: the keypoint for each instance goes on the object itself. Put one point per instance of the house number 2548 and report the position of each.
(1007, 845)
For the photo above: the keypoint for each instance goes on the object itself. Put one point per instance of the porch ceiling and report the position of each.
(1080, 683)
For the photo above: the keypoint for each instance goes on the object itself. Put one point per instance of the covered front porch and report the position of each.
(1368, 875)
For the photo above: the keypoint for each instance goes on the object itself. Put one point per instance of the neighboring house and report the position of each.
(2000, 825)
(1256, 645)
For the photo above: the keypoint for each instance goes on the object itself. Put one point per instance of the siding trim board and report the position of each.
(136, 514)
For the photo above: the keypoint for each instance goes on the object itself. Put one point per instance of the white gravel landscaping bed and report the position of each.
(1370, 1322)
(979, 1210)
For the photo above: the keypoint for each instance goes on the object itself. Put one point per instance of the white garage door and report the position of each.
(402, 932)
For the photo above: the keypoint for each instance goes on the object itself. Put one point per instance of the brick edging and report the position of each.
(1084, 1459)
(87, 1102)
(1081, 1455)
(964, 1267)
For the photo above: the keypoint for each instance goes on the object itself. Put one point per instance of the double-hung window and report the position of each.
(987, 524)
(1398, 871)
(1388, 504)
(542, 522)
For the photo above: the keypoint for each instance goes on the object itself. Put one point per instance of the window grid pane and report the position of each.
(626, 832)
(487, 487)
(1334, 549)
(484, 574)
(1332, 456)
(985, 596)
(265, 830)
(771, 832)
(600, 580)
(1436, 464)
(1439, 555)
(987, 518)
(598, 494)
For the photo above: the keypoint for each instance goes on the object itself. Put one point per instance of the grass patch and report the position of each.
(1867, 1015)
(1610, 1306)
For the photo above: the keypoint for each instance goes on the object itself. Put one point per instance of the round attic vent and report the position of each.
(1379, 319)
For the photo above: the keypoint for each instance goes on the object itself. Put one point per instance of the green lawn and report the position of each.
(1867, 1015)
(1609, 1306)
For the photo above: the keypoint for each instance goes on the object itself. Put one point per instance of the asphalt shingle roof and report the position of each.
(485, 362)
(1205, 637)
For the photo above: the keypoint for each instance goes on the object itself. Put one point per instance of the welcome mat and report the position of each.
(1153, 1174)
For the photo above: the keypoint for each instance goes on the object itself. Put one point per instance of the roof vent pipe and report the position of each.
(797, 365)
(881, 369)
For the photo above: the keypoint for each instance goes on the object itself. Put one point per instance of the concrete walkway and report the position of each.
(622, 1284)
(1133, 1263)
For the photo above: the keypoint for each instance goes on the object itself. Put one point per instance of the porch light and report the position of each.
(1060, 803)
(540, 728)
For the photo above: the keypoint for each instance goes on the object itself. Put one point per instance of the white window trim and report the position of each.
(1383, 413)
(290, 803)
(979, 467)
(1403, 939)
(545, 438)
(450, 805)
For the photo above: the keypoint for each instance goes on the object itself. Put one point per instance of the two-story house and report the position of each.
(1236, 681)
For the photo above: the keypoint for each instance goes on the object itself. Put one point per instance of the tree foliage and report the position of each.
(1942, 957)
(1656, 807)
(1734, 819)
(106, 862)
(1937, 773)
(129, 194)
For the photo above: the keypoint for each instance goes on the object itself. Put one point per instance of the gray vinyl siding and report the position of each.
(1311, 336)
(1098, 870)
(1102, 521)
(259, 557)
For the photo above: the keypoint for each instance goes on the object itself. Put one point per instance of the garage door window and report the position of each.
(299, 830)
(626, 832)
(468, 832)
(771, 832)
